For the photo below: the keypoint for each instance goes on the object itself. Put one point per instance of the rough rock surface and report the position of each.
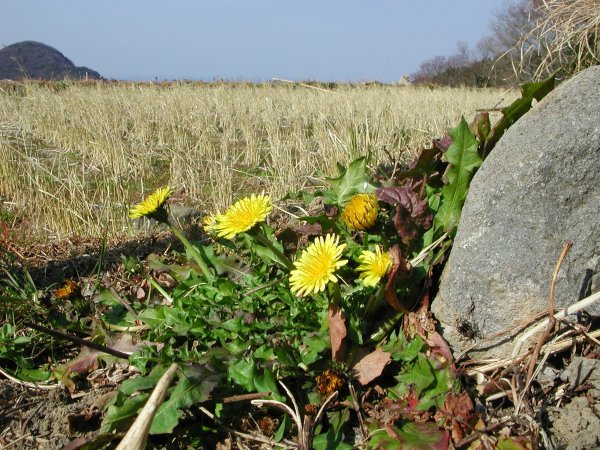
(537, 189)
(575, 426)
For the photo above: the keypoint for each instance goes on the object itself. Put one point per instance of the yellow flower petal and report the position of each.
(152, 206)
(208, 222)
(242, 215)
(374, 265)
(316, 266)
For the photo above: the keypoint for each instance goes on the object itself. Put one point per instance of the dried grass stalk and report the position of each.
(565, 39)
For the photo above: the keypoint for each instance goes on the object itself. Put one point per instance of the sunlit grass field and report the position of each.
(75, 156)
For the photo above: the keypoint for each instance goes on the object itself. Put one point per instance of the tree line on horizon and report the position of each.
(528, 40)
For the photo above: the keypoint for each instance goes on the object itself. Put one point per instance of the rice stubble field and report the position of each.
(75, 156)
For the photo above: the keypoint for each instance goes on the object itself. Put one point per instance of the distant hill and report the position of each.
(29, 59)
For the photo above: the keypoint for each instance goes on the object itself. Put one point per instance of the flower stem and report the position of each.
(159, 288)
(260, 237)
(193, 250)
(374, 304)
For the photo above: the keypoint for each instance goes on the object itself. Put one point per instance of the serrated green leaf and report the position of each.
(517, 109)
(420, 375)
(121, 414)
(330, 441)
(266, 382)
(464, 159)
(286, 423)
(179, 272)
(435, 393)
(314, 345)
(306, 197)
(352, 180)
(243, 373)
(35, 375)
(106, 297)
(379, 439)
(193, 387)
(402, 349)
(411, 436)
(142, 383)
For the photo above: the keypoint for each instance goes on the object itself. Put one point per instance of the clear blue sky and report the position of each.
(324, 40)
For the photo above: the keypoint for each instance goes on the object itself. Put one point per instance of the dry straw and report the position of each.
(74, 157)
(565, 38)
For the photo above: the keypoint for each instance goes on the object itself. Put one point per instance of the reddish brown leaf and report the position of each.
(166, 280)
(412, 213)
(420, 322)
(337, 331)
(423, 166)
(401, 268)
(439, 346)
(93, 442)
(444, 143)
(313, 229)
(127, 344)
(458, 408)
(371, 366)
(86, 361)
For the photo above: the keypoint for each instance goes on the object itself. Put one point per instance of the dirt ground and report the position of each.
(48, 419)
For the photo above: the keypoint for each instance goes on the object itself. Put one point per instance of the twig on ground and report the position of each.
(554, 348)
(306, 426)
(251, 437)
(363, 428)
(478, 433)
(582, 304)
(28, 384)
(551, 319)
(246, 397)
(135, 439)
(77, 340)
(16, 441)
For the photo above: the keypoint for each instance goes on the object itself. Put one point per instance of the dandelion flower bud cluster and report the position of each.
(360, 213)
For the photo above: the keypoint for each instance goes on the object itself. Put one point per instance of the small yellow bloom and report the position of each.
(374, 265)
(208, 222)
(242, 215)
(67, 291)
(152, 206)
(360, 213)
(316, 266)
(329, 382)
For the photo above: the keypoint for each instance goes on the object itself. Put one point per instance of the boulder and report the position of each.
(539, 188)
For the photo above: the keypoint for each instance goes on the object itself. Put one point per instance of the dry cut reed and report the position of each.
(74, 156)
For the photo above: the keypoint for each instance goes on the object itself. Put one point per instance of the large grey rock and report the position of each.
(537, 189)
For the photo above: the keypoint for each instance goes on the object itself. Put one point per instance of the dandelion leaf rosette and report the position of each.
(193, 386)
(464, 159)
(513, 112)
(351, 180)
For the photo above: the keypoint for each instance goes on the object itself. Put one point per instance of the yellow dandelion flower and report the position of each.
(329, 382)
(374, 265)
(67, 291)
(316, 266)
(360, 213)
(208, 222)
(242, 215)
(152, 206)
